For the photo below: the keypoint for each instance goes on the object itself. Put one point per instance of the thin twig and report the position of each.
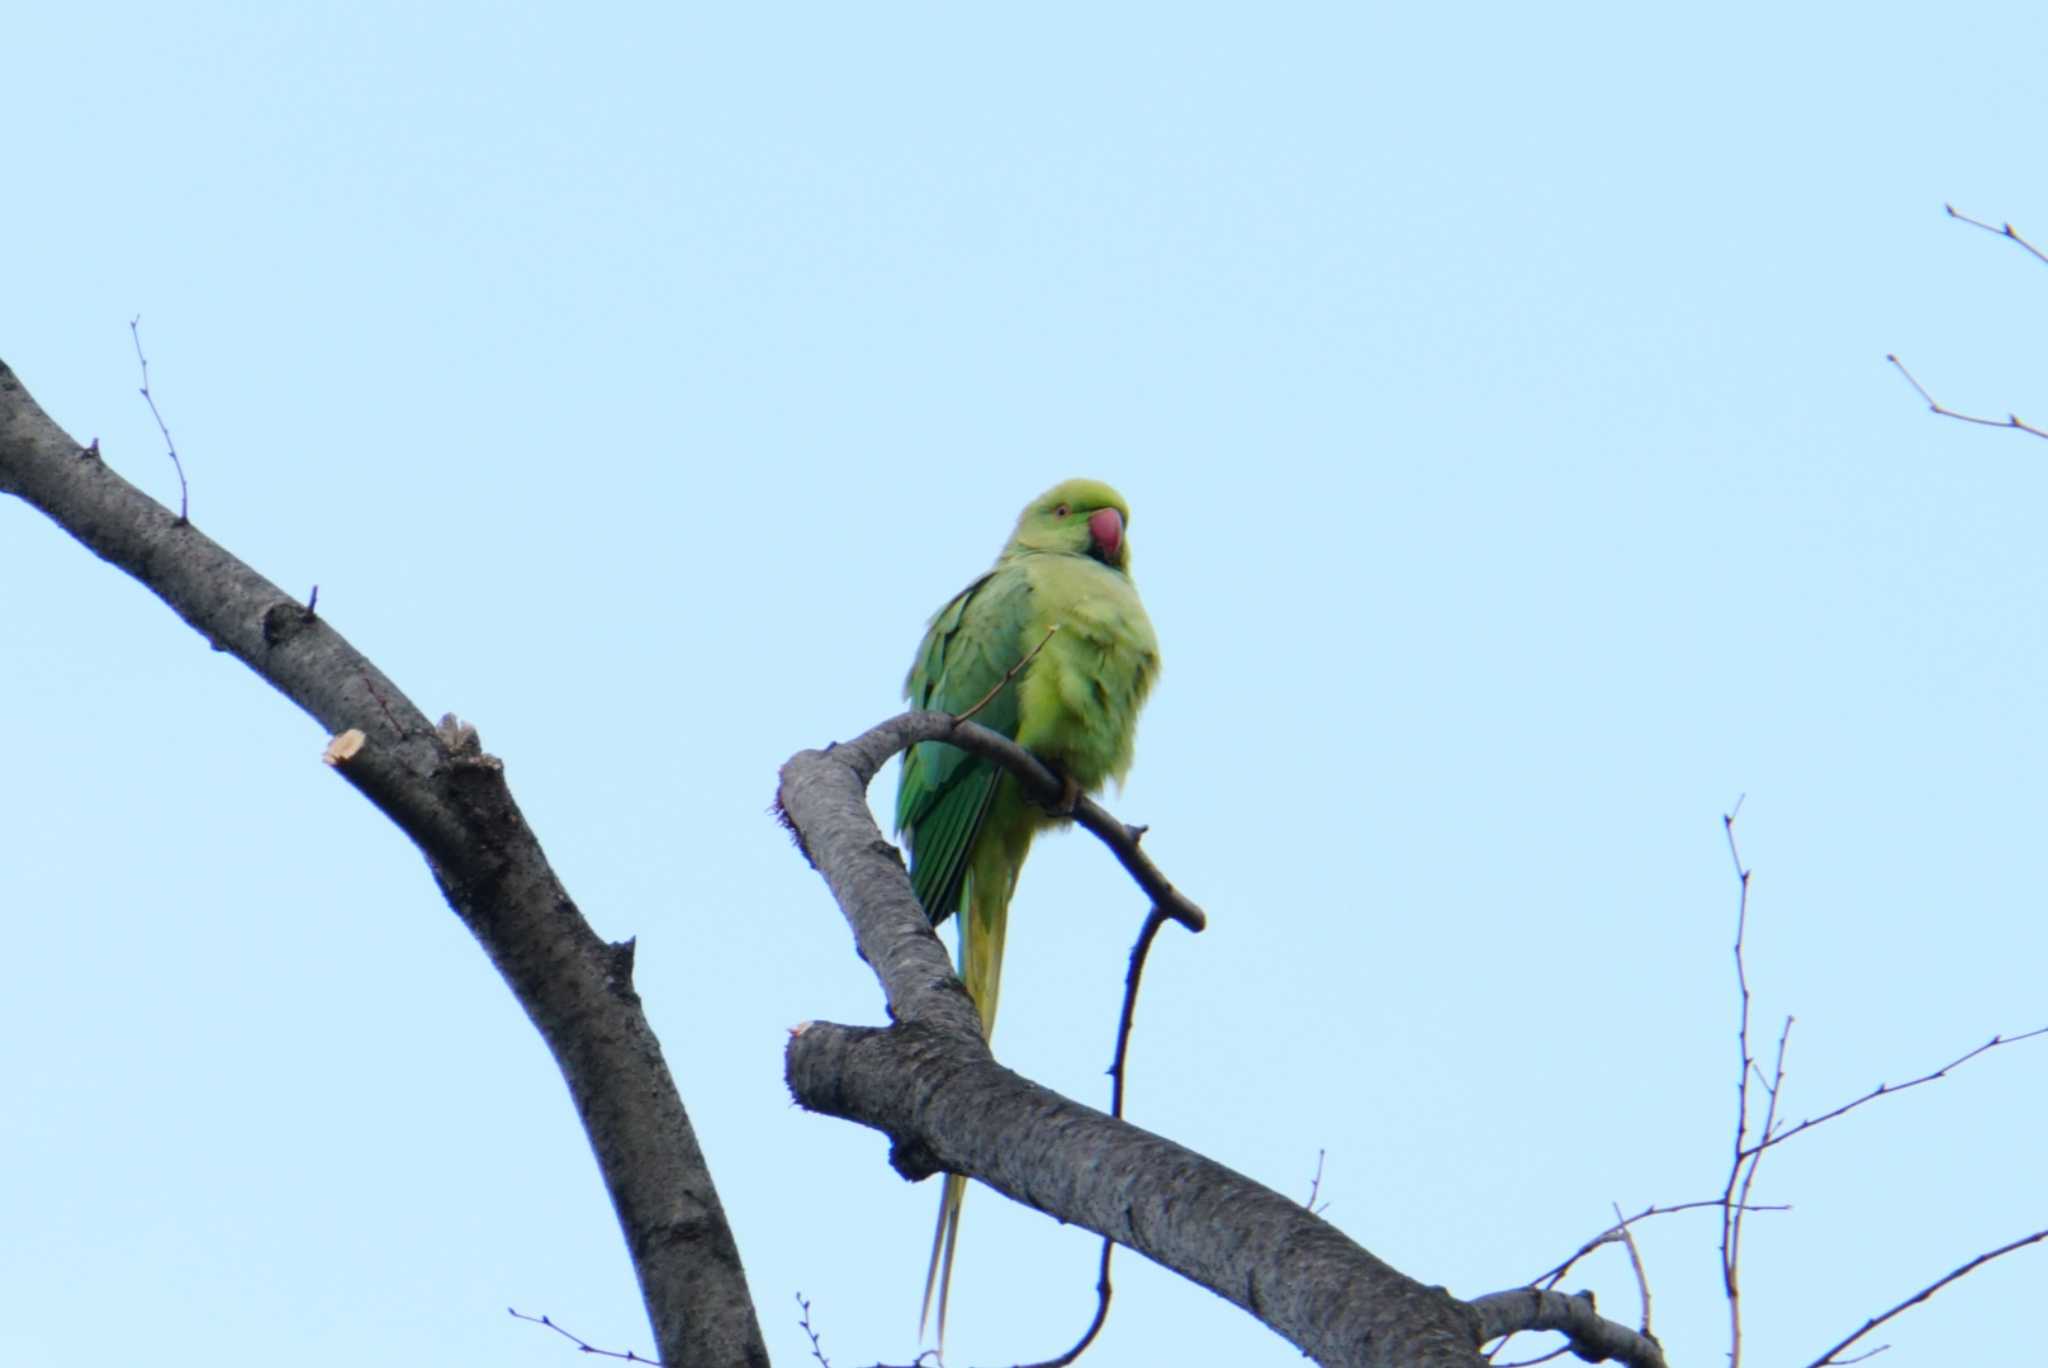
(1739, 1208)
(2003, 230)
(1101, 1318)
(1742, 1169)
(1041, 783)
(804, 1324)
(924, 1360)
(1316, 1186)
(1866, 1354)
(2011, 420)
(1731, 1205)
(1890, 1089)
(869, 751)
(1635, 1261)
(1154, 920)
(1922, 1295)
(184, 499)
(1553, 1276)
(1008, 675)
(582, 1344)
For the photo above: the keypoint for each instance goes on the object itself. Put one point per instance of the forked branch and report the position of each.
(930, 1084)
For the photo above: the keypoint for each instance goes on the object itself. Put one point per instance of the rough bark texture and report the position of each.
(930, 1084)
(451, 799)
(1592, 1337)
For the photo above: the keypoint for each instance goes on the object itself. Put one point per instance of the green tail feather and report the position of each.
(944, 1240)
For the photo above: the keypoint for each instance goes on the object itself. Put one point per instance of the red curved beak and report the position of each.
(1106, 525)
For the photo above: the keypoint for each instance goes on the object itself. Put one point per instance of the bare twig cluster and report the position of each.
(2011, 421)
(1771, 1132)
(1754, 1136)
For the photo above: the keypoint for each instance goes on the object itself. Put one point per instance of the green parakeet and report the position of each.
(1062, 588)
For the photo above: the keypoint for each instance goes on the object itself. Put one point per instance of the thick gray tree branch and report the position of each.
(1593, 1337)
(452, 801)
(931, 1085)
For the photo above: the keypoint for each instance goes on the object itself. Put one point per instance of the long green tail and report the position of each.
(982, 927)
(939, 1276)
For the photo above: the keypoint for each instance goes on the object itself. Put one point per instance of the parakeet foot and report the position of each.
(1070, 796)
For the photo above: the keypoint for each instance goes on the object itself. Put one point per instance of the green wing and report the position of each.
(945, 795)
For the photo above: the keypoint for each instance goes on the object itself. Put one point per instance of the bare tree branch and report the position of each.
(2011, 420)
(1922, 1295)
(585, 1346)
(1736, 1194)
(1593, 1337)
(1119, 1075)
(452, 800)
(929, 1081)
(2003, 230)
(1893, 1089)
(1635, 1261)
(1315, 1187)
(930, 1084)
(1742, 1170)
(184, 492)
(1552, 1276)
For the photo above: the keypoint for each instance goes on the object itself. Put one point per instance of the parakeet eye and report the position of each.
(1061, 511)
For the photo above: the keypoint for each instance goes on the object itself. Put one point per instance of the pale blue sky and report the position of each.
(1516, 480)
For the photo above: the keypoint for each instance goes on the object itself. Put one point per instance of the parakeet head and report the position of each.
(1076, 518)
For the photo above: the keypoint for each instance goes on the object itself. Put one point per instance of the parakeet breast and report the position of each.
(1080, 696)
